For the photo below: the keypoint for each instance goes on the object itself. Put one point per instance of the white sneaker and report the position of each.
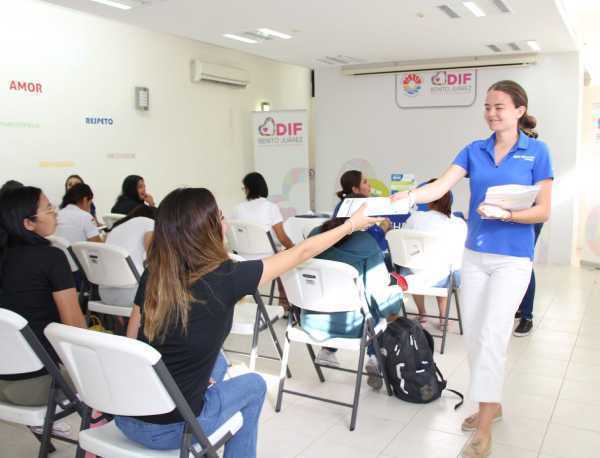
(327, 358)
(373, 379)
(59, 428)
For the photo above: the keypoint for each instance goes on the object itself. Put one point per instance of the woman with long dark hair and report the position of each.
(133, 193)
(499, 248)
(184, 308)
(75, 221)
(35, 282)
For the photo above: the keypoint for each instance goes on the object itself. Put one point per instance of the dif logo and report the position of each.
(412, 84)
(445, 78)
(270, 128)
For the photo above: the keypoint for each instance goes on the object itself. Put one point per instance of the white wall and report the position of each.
(357, 120)
(194, 134)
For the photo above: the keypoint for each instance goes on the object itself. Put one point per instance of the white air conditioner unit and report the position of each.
(203, 71)
(511, 60)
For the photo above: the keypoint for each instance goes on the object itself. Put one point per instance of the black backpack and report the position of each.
(407, 350)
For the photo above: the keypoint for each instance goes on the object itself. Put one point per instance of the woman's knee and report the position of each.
(256, 384)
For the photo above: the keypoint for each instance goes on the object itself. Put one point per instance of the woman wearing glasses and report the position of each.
(35, 282)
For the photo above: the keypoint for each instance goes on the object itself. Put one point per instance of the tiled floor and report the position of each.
(551, 408)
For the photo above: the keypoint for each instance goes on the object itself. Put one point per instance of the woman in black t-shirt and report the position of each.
(184, 309)
(133, 193)
(35, 282)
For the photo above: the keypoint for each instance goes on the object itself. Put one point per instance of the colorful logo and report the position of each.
(271, 128)
(412, 84)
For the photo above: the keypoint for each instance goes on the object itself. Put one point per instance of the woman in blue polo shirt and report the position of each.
(499, 249)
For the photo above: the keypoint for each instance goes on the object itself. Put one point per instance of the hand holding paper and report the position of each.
(511, 197)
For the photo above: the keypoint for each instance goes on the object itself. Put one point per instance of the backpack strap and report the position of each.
(444, 383)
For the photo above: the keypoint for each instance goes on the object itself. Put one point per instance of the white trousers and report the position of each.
(492, 289)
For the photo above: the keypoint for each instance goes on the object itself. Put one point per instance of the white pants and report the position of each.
(492, 289)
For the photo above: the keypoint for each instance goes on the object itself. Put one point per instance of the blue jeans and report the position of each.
(526, 306)
(245, 393)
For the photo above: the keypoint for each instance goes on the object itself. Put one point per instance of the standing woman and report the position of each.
(499, 249)
(133, 193)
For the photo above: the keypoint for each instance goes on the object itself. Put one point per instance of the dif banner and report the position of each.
(436, 88)
(281, 155)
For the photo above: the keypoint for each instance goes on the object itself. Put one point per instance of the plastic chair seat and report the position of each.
(107, 440)
(297, 334)
(420, 285)
(245, 315)
(101, 307)
(31, 416)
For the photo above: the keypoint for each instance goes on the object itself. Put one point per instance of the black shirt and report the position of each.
(190, 356)
(125, 204)
(30, 275)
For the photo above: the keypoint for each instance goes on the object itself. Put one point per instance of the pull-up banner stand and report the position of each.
(281, 156)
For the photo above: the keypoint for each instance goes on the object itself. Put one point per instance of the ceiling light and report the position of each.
(231, 36)
(514, 46)
(474, 8)
(274, 33)
(494, 48)
(448, 11)
(534, 45)
(502, 6)
(114, 4)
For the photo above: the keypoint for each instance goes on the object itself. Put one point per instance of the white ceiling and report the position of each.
(372, 31)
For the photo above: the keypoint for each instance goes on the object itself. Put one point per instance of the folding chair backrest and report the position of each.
(421, 250)
(249, 240)
(106, 265)
(325, 286)
(113, 374)
(298, 227)
(17, 356)
(64, 244)
(112, 218)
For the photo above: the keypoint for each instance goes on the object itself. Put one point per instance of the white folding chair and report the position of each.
(112, 218)
(329, 286)
(252, 318)
(250, 241)
(298, 227)
(121, 376)
(65, 246)
(23, 353)
(109, 266)
(422, 252)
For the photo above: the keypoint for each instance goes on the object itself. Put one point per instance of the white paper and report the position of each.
(376, 206)
(512, 197)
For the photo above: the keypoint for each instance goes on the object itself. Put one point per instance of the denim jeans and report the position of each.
(526, 306)
(245, 393)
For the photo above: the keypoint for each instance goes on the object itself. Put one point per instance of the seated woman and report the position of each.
(133, 193)
(134, 234)
(362, 252)
(184, 309)
(35, 282)
(438, 219)
(71, 181)
(259, 210)
(354, 184)
(75, 222)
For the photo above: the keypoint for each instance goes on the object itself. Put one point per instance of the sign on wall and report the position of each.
(281, 156)
(437, 88)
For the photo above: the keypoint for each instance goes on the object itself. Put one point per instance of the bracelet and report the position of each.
(510, 216)
(351, 225)
(411, 200)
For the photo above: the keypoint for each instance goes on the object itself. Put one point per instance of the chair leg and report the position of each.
(380, 361)
(460, 324)
(255, 336)
(311, 352)
(359, 375)
(85, 424)
(274, 337)
(445, 330)
(48, 422)
(282, 371)
(272, 293)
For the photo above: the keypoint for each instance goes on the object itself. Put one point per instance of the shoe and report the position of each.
(475, 448)
(374, 379)
(327, 358)
(59, 428)
(472, 423)
(518, 314)
(524, 328)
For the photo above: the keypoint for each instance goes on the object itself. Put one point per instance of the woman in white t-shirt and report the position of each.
(259, 210)
(134, 234)
(438, 219)
(75, 221)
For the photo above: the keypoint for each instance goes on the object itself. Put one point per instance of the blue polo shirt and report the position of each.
(527, 163)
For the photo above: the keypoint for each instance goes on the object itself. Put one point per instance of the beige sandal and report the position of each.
(476, 449)
(472, 423)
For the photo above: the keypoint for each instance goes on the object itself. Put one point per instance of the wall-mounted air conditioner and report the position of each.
(203, 71)
(511, 60)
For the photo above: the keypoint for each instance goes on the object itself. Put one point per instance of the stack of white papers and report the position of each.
(376, 206)
(512, 197)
